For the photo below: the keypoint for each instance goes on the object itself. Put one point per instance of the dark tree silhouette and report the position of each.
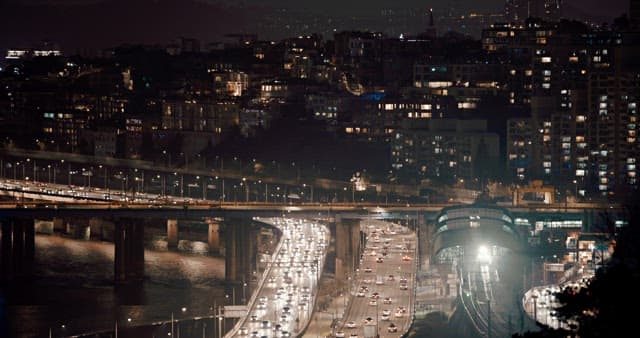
(607, 306)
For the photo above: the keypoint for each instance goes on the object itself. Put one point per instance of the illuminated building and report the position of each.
(443, 149)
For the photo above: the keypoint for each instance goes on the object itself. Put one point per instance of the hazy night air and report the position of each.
(100, 24)
(325, 168)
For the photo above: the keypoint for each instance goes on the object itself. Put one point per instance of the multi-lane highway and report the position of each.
(283, 303)
(382, 291)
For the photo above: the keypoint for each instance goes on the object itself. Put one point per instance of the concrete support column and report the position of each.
(79, 228)
(58, 225)
(129, 251)
(29, 231)
(239, 249)
(172, 233)
(17, 248)
(422, 220)
(98, 227)
(214, 235)
(347, 247)
(6, 254)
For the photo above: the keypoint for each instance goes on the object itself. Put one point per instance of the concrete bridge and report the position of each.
(229, 227)
(232, 237)
(230, 233)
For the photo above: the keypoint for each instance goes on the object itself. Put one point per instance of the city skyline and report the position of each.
(102, 24)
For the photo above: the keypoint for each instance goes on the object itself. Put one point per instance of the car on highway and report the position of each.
(340, 334)
(386, 300)
(392, 328)
(244, 331)
(351, 325)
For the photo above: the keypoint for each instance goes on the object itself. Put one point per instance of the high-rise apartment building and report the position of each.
(444, 149)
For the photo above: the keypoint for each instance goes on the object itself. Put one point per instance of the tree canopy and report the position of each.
(607, 306)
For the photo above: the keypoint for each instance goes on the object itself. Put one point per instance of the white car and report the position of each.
(340, 334)
(351, 325)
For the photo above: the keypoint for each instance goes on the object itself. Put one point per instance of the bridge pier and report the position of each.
(17, 248)
(129, 250)
(213, 235)
(348, 248)
(172, 233)
(100, 229)
(79, 228)
(239, 249)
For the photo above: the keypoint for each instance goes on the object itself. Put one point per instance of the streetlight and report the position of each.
(35, 167)
(182, 185)
(24, 167)
(244, 291)
(304, 185)
(220, 318)
(233, 295)
(204, 188)
(246, 188)
(164, 153)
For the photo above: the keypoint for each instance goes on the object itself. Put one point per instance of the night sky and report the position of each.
(106, 23)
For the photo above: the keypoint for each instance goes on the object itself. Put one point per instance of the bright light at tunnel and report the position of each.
(484, 254)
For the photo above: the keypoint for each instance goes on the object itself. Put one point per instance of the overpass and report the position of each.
(88, 216)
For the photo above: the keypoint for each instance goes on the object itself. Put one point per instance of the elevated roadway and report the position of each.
(382, 290)
(282, 304)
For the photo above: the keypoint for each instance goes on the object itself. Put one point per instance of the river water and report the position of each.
(72, 290)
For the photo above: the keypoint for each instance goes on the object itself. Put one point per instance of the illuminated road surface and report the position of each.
(282, 305)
